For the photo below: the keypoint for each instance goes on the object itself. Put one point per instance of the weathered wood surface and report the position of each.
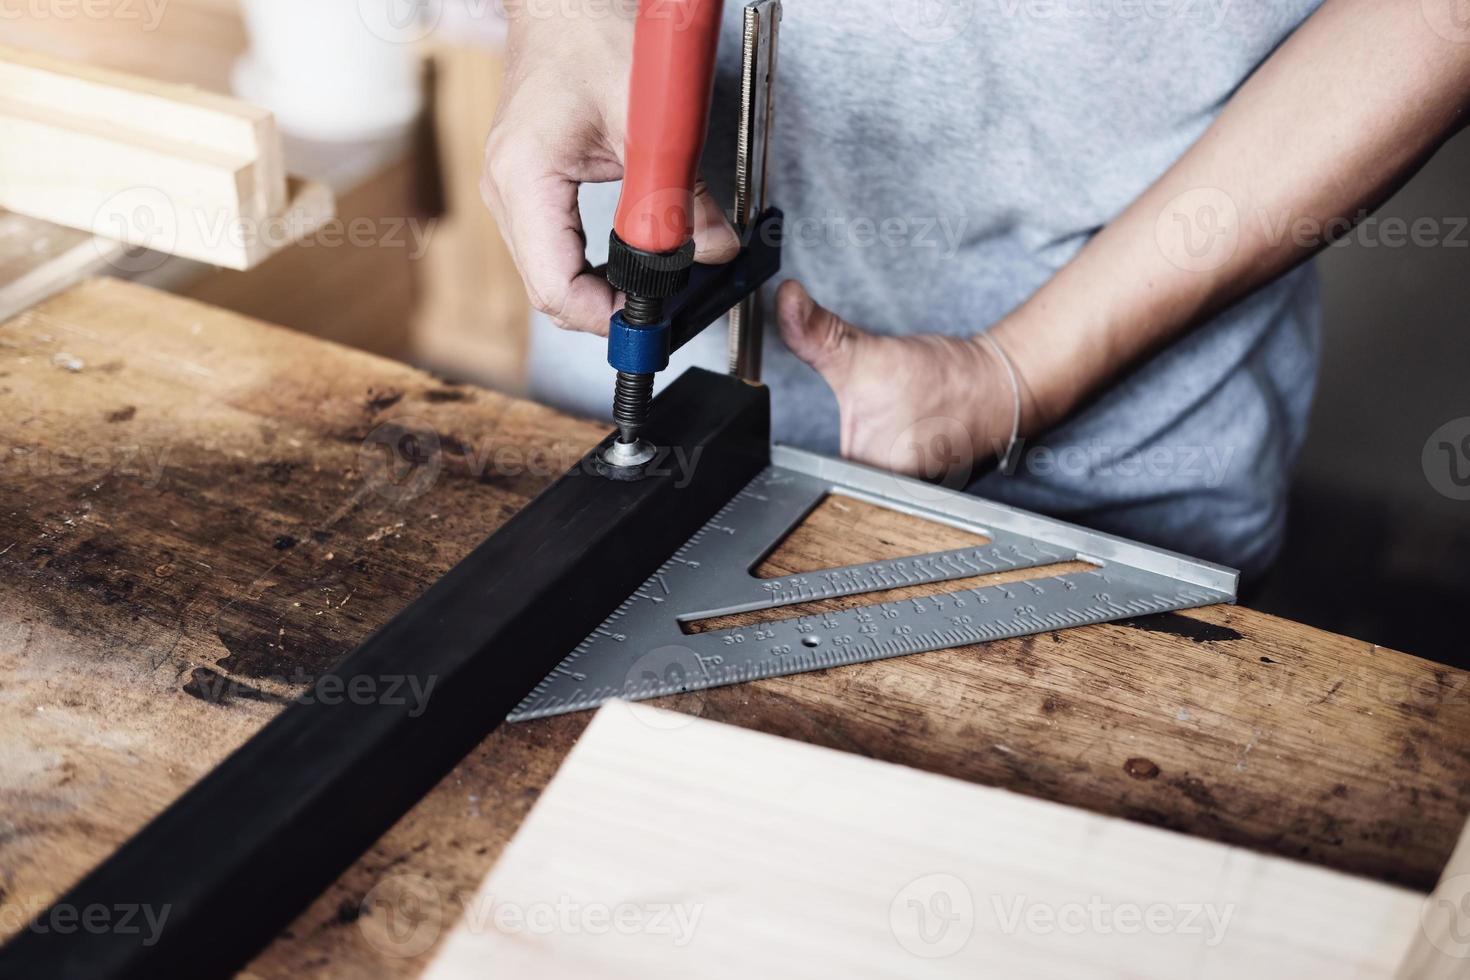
(195, 518)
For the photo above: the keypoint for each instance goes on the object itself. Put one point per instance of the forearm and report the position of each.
(1330, 125)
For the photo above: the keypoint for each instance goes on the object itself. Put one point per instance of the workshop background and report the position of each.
(390, 102)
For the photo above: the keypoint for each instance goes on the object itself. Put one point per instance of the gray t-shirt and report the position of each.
(938, 160)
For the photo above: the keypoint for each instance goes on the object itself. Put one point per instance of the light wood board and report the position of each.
(177, 118)
(1441, 947)
(669, 847)
(151, 164)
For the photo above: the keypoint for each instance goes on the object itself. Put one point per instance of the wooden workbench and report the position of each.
(193, 523)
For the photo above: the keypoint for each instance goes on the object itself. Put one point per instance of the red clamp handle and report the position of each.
(674, 44)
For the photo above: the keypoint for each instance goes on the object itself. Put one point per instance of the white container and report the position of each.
(335, 70)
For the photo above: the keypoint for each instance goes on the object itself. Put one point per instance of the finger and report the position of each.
(550, 249)
(715, 240)
(539, 218)
(818, 336)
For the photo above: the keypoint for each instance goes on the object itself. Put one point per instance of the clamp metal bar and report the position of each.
(714, 289)
(757, 105)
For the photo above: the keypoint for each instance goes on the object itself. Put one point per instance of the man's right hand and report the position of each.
(562, 115)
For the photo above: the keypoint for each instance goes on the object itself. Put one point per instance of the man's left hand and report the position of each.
(926, 405)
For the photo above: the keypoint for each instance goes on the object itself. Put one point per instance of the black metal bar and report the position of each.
(249, 846)
(714, 289)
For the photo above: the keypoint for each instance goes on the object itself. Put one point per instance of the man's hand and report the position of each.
(561, 121)
(927, 405)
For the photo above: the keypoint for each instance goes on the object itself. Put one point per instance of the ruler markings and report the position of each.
(640, 651)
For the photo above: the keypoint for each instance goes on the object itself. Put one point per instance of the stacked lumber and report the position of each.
(155, 165)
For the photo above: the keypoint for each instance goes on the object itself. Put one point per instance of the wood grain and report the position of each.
(174, 118)
(844, 530)
(718, 852)
(193, 522)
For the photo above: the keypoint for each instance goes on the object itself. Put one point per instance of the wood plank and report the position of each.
(313, 288)
(143, 193)
(160, 166)
(213, 124)
(1441, 947)
(671, 846)
(313, 285)
(195, 521)
(48, 155)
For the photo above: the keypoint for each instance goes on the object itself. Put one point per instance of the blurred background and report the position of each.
(1378, 545)
(389, 102)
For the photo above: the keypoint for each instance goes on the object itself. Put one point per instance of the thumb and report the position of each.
(818, 336)
(715, 240)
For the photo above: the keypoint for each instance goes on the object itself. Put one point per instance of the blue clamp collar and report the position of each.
(642, 349)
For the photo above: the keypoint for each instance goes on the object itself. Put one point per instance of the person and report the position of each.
(1100, 210)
